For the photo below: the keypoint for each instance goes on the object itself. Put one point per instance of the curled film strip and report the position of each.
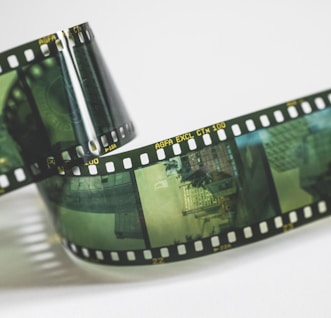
(59, 107)
(201, 192)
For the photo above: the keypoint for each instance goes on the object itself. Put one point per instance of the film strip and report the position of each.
(201, 192)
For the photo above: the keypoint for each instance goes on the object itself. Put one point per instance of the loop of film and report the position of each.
(58, 106)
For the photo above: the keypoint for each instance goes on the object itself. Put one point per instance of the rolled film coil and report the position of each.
(59, 107)
(201, 192)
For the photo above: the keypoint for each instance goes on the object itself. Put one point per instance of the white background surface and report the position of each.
(179, 65)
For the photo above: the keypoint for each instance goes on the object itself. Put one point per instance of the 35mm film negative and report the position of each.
(208, 190)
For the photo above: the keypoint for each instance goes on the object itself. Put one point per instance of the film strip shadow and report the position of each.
(33, 255)
(30, 249)
(35, 258)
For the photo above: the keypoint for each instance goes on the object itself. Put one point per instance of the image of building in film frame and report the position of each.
(209, 183)
(230, 181)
